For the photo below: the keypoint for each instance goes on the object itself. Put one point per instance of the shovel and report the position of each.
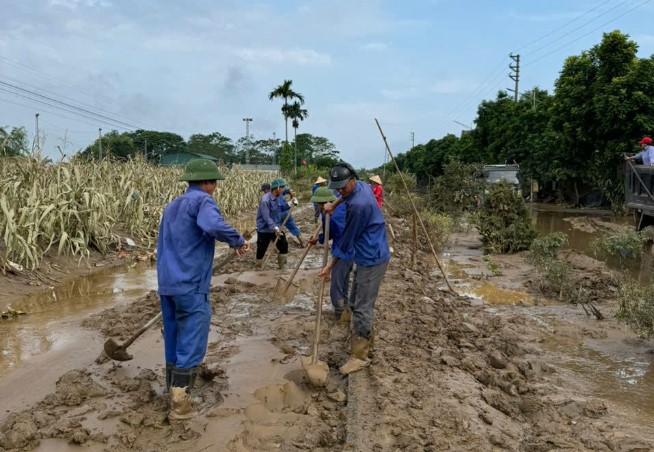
(282, 283)
(118, 352)
(316, 370)
(265, 261)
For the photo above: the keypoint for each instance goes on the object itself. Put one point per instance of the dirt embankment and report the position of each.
(448, 373)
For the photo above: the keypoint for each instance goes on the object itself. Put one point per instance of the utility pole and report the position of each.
(100, 142)
(274, 146)
(247, 138)
(413, 140)
(515, 76)
(36, 145)
(146, 149)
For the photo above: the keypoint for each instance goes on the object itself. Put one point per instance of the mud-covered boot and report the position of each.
(346, 316)
(359, 358)
(281, 261)
(181, 405)
(169, 376)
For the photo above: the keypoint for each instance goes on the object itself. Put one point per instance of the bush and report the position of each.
(551, 270)
(458, 189)
(636, 307)
(504, 221)
(623, 247)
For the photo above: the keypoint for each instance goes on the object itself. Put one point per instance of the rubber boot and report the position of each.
(346, 315)
(359, 358)
(169, 375)
(181, 405)
(281, 261)
(339, 306)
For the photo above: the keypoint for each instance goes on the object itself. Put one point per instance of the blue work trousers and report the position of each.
(365, 288)
(186, 321)
(340, 284)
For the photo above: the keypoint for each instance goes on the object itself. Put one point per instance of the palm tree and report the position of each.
(295, 112)
(285, 92)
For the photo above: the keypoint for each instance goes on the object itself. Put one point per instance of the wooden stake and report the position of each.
(415, 210)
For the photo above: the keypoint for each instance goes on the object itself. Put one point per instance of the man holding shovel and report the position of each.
(189, 228)
(340, 272)
(269, 225)
(365, 233)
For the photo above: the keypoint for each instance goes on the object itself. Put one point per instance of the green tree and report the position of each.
(214, 144)
(119, 145)
(296, 113)
(157, 143)
(286, 158)
(13, 142)
(285, 92)
(604, 102)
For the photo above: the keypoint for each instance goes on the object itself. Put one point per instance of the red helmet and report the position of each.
(646, 140)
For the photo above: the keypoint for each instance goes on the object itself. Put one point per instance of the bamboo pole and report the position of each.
(415, 210)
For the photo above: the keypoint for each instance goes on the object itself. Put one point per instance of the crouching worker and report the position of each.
(269, 225)
(189, 228)
(341, 269)
(365, 232)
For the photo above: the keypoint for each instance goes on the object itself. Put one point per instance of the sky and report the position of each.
(420, 67)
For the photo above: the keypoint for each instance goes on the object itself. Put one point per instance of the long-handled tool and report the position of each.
(283, 284)
(281, 229)
(230, 255)
(315, 369)
(118, 352)
(415, 210)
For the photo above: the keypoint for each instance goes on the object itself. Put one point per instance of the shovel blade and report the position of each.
(115, 351)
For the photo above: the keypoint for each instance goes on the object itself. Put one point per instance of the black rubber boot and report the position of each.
(169, 375)
(181, 405)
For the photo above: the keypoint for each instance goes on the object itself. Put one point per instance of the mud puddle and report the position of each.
(42, 328)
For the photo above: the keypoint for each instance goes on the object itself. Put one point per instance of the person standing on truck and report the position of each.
(647, 153)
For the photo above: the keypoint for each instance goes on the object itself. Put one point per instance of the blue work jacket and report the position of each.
(268, 213)
(365, 229)
(189, 228)
(336, 226)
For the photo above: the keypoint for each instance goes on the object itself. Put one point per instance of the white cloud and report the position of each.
(375, 46)
(303, 57)
(74, 4)
(452, 86)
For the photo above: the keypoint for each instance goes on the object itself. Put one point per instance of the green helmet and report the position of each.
(323, 194)
(277, 183)
(201, 169)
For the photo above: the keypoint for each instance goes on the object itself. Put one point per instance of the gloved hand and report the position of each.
(294, 201)
(277, 230)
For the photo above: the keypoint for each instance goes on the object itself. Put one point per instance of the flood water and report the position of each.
(40, 329)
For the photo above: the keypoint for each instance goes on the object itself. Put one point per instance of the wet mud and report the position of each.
(467, 371)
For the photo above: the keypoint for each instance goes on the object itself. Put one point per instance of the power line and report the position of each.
(61, 82)
(64, 109)
(588, 33)
(85, 111)
(24, 85)
(563, 26)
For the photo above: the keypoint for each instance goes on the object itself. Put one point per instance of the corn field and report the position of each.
(75, 207)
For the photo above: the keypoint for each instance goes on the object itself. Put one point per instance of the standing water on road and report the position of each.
(42, 329)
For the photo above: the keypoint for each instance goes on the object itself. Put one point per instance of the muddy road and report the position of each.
(497, 367)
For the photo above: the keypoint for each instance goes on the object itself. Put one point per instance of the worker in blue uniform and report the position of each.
(365, 232)
(340, 274)
(268, 225)
(189, 228)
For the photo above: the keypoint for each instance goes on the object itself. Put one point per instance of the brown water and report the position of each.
(40, 330)
(547, 220)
